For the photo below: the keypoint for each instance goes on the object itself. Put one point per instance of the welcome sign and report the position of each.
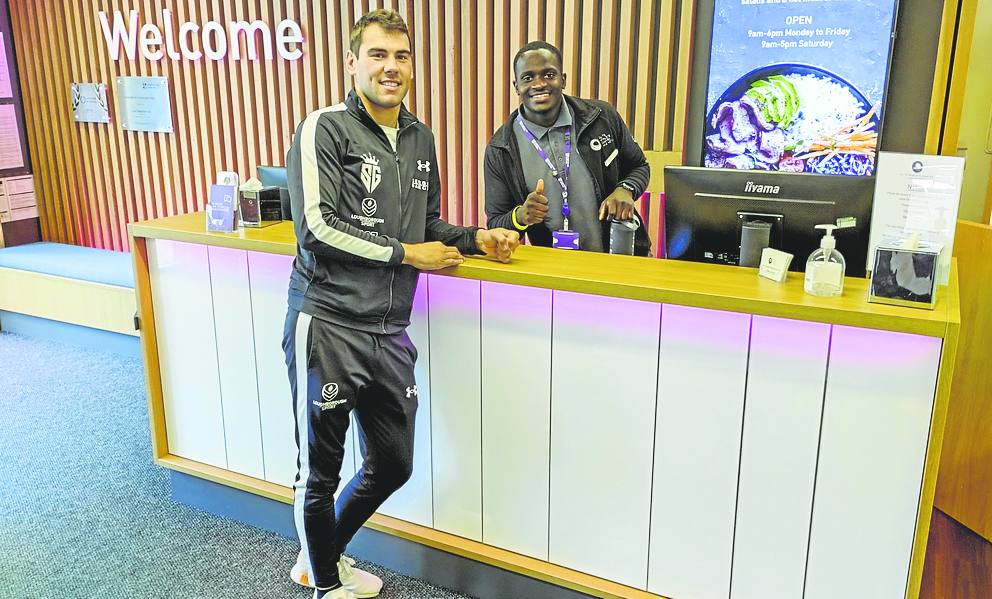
(193, 41)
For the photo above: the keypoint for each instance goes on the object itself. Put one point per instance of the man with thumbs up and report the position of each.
(534, 208)
(561, 167)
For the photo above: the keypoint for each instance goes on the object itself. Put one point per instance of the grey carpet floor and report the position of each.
(85, 513)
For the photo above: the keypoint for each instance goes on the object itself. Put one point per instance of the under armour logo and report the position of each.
(411, 391)
(423, 165)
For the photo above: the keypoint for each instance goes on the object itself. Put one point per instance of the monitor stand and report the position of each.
(757, 231)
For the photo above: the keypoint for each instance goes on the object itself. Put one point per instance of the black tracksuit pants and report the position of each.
(332, 371)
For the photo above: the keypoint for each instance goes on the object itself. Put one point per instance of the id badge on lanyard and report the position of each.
(564, 239)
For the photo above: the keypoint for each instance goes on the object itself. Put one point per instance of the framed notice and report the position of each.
(143, 104)
(89, 102)
(5, 88)
(916, 194)
(11, 153)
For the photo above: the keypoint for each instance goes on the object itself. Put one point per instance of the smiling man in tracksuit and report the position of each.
(363, 180)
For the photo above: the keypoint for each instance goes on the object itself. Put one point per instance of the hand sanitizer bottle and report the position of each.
(825, 267)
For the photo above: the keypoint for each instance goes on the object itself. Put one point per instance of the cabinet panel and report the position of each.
(269, 280)
(516, 412)
(456, 402)
(787, 371)
(603, 386)
(236, 359)
(187, 350)
(876, 418)
(702, 371)
(413, 502)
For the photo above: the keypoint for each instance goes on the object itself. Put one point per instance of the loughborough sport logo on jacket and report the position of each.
(369, 207)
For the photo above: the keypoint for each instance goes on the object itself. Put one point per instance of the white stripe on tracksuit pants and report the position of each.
(345, 369)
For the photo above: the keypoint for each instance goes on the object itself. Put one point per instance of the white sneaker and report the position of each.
(299, 573)
(338, 593)
(361, 583)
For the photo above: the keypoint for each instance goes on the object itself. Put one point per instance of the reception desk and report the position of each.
(621, 426)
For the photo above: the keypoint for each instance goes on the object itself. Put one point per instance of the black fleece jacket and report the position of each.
(594, 120)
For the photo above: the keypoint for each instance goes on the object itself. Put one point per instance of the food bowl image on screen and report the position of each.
(792, 117)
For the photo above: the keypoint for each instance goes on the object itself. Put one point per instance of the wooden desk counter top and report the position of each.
(666, 281)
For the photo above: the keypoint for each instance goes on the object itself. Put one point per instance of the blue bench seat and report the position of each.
(72, 262)
(79, 295)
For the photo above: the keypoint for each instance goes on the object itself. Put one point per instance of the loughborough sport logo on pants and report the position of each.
(328, 393)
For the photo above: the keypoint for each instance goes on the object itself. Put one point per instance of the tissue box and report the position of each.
(902, 277)
(260, 208)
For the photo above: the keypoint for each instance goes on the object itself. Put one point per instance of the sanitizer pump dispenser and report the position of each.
(825, 267)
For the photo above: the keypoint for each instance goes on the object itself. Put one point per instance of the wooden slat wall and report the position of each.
(93, 179)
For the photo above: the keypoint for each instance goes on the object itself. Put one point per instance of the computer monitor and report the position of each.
(728, 217)
(272, 175)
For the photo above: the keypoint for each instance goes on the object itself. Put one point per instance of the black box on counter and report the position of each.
(287, 212)
(260, 208)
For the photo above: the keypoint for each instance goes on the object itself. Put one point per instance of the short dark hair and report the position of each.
(537, 45)
(389, 20)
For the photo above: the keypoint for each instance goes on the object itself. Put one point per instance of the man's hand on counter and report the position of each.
(497, 243)
(618, 205)
(432, 255)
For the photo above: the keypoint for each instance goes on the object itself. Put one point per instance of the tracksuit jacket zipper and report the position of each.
(399, 188)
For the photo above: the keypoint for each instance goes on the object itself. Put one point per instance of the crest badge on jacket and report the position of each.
(371, 172)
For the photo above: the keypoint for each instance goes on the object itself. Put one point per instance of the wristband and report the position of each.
(513, 217)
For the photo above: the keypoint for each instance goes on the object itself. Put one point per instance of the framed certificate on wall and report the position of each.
(143, 104)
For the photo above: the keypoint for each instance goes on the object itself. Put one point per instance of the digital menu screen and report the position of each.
(797, 85)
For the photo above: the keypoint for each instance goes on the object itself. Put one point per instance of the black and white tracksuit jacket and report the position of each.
(354, 200)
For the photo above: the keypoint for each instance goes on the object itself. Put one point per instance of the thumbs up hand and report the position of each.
(535, 207)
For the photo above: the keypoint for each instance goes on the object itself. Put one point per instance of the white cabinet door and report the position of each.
(456, 402)
(187, 350)
(269, 279)
(413, 502)
(516, 417)
(876, 418)
(786, 375)
(236, 359)
(603, 385)
(702, 371)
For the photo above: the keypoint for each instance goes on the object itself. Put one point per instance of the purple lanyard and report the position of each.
(561, 176)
